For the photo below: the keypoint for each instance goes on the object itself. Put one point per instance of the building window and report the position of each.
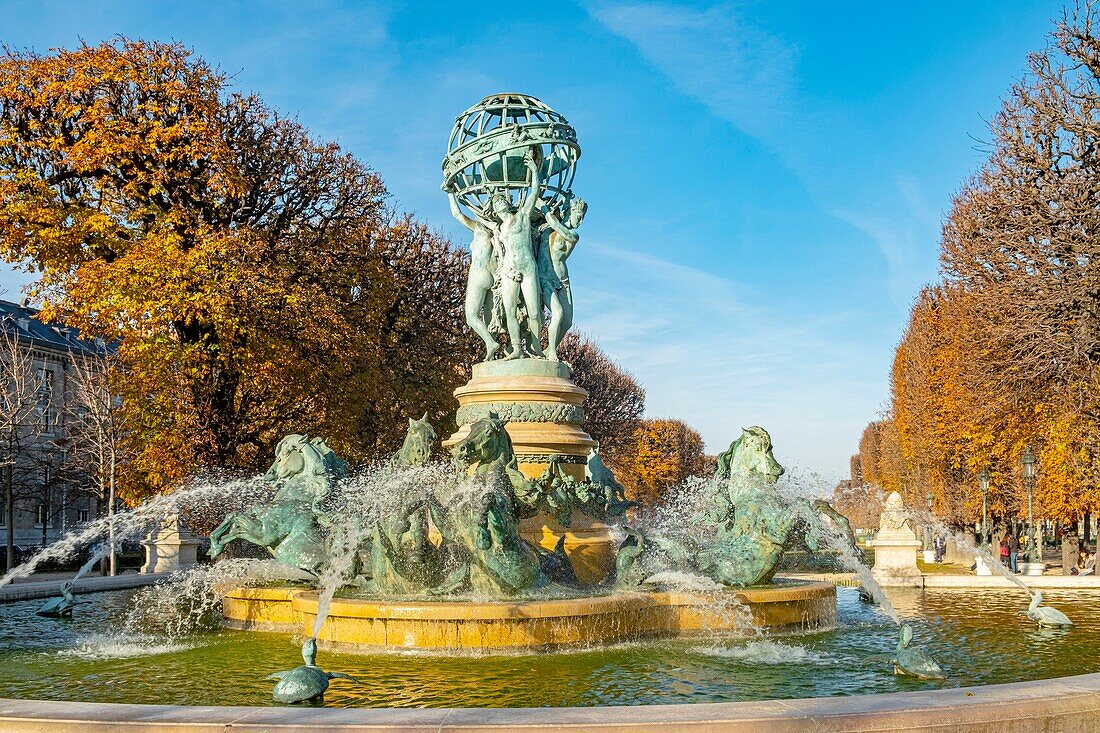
(40, 514)
(3, 515)
(82, 515)
(47, 418)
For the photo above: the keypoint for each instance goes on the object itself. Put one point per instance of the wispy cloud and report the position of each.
(740, 72)
(710, 350)
(903, 237)
(748, 77)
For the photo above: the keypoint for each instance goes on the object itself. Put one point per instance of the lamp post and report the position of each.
(983, 481)
(1027, 461)
(928, 546)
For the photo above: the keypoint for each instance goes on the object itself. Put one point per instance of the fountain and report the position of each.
(520, 550)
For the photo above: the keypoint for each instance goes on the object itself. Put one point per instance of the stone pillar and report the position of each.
(170, 547)
(896, 547)
(1071, 544)
(543, 410)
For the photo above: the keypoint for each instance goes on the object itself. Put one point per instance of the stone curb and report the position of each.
(45, 589)
(1067, 705)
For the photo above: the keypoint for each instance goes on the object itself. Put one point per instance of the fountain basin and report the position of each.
(485, 627)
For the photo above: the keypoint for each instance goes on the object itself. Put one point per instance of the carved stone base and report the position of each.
(543, 408)
(170, 547)
(544, 411)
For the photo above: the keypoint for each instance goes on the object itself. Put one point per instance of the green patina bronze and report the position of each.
(305, 683)
(741, 528)
(399, 555)
(60, 606)
(481, 549)
(914, 661)
(419, 443)
(508, 171)
(291, 528)
(750, 455)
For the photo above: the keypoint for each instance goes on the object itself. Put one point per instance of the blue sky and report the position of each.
(766, 179)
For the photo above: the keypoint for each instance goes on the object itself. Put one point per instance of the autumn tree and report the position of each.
(1004, 352)
(423, 348)
(253, 276)
(97, 432)
(615, 403)
(667, 452)
(879, 455)
(1023, 242)
(861, 503)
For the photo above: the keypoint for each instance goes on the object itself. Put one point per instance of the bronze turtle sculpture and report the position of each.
(914, 661)
(60, 606)
(306, 683)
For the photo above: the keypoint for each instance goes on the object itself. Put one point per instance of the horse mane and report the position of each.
(726, 456)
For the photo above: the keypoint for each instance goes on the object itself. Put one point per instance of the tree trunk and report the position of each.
(1088, 528)
(1070, 547)
(111, 520)
(9, 514)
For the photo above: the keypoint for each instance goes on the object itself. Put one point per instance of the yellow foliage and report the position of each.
(666, 453)
(252, 276)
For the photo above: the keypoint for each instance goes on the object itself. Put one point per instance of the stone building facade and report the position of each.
(50, 497)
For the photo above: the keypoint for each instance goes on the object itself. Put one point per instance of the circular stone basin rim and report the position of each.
(1067, 704)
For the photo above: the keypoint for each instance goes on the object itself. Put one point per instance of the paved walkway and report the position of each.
(37, 586)
(944, 580)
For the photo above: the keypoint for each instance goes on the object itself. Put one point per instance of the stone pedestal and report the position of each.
(896, 547)
(544, 411)
(541, 405)
(170, 547)
(980, 566)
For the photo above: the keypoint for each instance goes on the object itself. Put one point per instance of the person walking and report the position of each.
(1004, 550)
(940, 545)
(1013, 545)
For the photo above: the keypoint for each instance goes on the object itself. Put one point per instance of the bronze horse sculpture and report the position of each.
(291, 527)
(485, 525)
(402, 558)
(746, 525)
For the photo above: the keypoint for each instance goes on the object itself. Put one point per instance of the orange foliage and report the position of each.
(253, 276)
(667, 452)
(1005, 353)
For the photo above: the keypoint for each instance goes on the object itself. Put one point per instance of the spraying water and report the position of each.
(965, 543)
(137, 522)
(189, 600)
(96, 557)
(831, 537)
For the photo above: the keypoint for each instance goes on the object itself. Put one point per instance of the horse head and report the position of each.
(419, 441)
(487, 442)
(289, 458)
(751, 455)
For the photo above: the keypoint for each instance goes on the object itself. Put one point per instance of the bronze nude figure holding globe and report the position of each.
(482, 278)
(510, 164)
(518, 271)
(556, 242)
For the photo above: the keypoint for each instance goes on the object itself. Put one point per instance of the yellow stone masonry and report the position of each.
(363, 625)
